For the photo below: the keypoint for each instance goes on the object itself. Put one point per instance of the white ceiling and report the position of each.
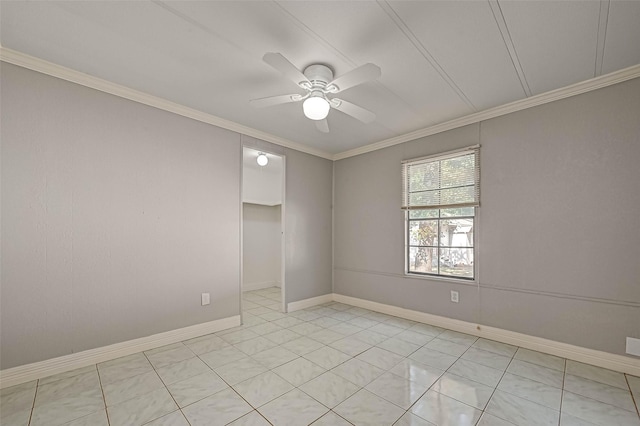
(440, 60)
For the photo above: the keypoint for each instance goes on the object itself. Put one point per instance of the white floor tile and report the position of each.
(293, 408)
(398, 390)
(358, 372)
(380, 358)
(538, 358)
(478, 373)
(329, 389)
(193, 389)
(217, 410)
(252, 419)
(240, 371)
(521, 411)
(612, 395)
(365, 408)
(143, 409)
(597, 412)
(299, 371)
(220, 357)
(496, 347)
(447, 347)
(410, 419)
(531, 390)
(464, 390)
(262, 388)
(302, 346)
(173, 419)
(535, 372)
(417, 372)
(274, 357)
(69, 408)
(327, 357)
(182, 370)
(433, 358)
(331, 419)
(442, 410)
(597, 374)
(124, 390)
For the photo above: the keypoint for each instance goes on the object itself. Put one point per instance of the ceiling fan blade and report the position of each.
(353, 110)
(322, 125)
(274, 100)
(366, 72)
(282, 64)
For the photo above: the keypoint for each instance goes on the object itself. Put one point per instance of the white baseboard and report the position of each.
(307, 303)
(260, 285)
(577, 353)
(38, 370)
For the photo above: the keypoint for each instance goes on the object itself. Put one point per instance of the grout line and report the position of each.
(103, 397)
(564, 378)
(633, 398)
(33, 404)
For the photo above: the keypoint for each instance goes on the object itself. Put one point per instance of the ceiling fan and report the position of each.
(320, 86)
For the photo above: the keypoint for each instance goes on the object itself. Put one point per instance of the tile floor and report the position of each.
(328, 365)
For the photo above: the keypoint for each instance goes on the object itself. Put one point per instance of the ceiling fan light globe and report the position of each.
(316, 108)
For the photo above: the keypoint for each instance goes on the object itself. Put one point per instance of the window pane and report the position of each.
(423, 214)
(458, 171)
(456, 232)
(457, 262)
(423, 260)
(460, 211)
(423, 233)
(425, 198)
(424, 176)
(457, 195)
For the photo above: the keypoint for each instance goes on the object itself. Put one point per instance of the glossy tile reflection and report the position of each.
(328, 365)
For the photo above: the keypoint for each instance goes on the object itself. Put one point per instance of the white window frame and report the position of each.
(472, 202)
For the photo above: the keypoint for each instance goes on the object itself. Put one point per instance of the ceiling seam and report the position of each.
(314, 35)
(603, 20)
(508, 42)
(197, 24)
(404, 28)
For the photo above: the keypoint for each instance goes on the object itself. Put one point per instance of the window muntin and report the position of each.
(440, 194)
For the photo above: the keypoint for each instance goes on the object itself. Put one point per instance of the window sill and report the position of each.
(451, 280)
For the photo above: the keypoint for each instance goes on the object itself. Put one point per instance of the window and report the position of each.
(440, 195)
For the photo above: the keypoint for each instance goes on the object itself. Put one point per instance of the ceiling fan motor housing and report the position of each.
(318, 75)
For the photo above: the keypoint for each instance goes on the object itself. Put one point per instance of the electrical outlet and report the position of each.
(455, 296)
(206, 299)
(633, 346)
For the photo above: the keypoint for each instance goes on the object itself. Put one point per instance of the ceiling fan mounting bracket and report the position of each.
(319, 76)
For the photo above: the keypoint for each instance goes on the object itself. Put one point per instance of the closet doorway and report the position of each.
(262, 285)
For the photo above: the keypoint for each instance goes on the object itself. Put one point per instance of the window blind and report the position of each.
(442, 181)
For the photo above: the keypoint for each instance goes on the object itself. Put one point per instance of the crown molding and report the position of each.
(519, 105)
(40, 65)
(45, 67)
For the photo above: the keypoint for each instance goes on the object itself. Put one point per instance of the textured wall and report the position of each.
(557, 243)
(116, 216)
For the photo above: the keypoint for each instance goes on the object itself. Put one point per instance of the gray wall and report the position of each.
(557, 240)
(116, 216)
(261, 246)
